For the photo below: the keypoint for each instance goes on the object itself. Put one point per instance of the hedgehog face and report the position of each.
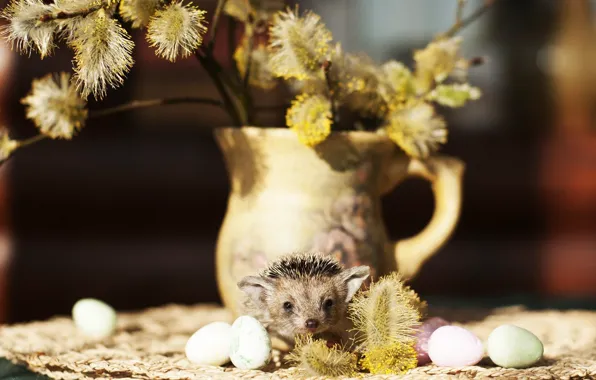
(305, 303)
(307, 306)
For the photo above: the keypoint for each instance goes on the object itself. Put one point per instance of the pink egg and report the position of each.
(424, 332)
(454, 346)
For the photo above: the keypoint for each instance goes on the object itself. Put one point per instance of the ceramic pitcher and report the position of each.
(287, 197)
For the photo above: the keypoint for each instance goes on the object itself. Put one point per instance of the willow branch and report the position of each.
(136, 104)
(247, 98)
(213, 32)
(31, 140)
(214, 74)
(62, 15)
(215, 65)
(468, 20)
(248, 63)
(232, 25)
(459, 13)
(331, 89)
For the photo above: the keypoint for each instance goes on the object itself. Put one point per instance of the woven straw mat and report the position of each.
(150, 345)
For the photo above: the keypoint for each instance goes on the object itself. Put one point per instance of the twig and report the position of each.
(234, 84)
(136, 104)
(245, 81)
(468, 20)
(65, 15)
(477, 61)
(249, 48)
(232, 47)
(213, 72)
(213, 32)
(330, 88)
(459, 13)
(31, 140)
(152, 103)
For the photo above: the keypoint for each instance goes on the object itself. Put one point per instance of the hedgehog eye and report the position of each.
(288, 306)
(328, 304)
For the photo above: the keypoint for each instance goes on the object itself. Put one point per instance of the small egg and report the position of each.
(422, 336)
(210, 345)
(510, 346)
(454, 346)
(94, 318)
(251, 344)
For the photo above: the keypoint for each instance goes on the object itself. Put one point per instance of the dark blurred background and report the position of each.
(129, 210)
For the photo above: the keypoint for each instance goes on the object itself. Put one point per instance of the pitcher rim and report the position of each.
(286, 132)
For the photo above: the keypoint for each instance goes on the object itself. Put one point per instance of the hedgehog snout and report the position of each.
(311, 324)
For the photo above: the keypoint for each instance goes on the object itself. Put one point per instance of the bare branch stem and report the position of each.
(331, 90)
(248, 102)
(31, 140)
(461, 4)
(249, 47)
(135, 104)
(210, 65)
(213, 32)
(62, 15)
(468, 20)
(232, 47)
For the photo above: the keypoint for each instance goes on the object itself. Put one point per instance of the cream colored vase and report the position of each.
(287, 197)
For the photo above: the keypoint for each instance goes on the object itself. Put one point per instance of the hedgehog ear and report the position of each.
(255, 287)
(353, 278)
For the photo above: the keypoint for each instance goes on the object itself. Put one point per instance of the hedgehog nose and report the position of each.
(312, 324)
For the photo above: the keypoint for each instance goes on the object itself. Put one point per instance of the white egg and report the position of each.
(210, 345)
(94, 318)
(251, 344)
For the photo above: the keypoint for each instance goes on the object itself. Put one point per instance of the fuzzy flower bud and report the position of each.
(260, 9)
(260, 72)
(385, 314)
(315, 358)
(436, 61)
(416, 128)
(454, 95)
(55, 106)
(24, 29)
(299, 45)
(310, 117)
(177, 31)
(7, 145)
(392, 359)
(103, 54)
(398, 82)
(139, 12)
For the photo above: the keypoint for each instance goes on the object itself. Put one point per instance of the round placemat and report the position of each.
(150, 345)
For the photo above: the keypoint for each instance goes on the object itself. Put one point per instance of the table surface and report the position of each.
(10, 371)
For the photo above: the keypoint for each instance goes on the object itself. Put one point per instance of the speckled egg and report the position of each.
(454, 346)
(210, 345)
(94, 318)
(251, 344)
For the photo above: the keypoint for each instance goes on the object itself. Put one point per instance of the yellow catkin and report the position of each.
(298, 45)
(384, 314)
(315, 358)
(416, 128)
(393, 359)
(310, 117)
(55, 106)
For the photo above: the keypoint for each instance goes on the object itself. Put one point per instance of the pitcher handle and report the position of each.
(445, 175)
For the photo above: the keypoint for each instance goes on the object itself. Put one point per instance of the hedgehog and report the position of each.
(302, 293)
